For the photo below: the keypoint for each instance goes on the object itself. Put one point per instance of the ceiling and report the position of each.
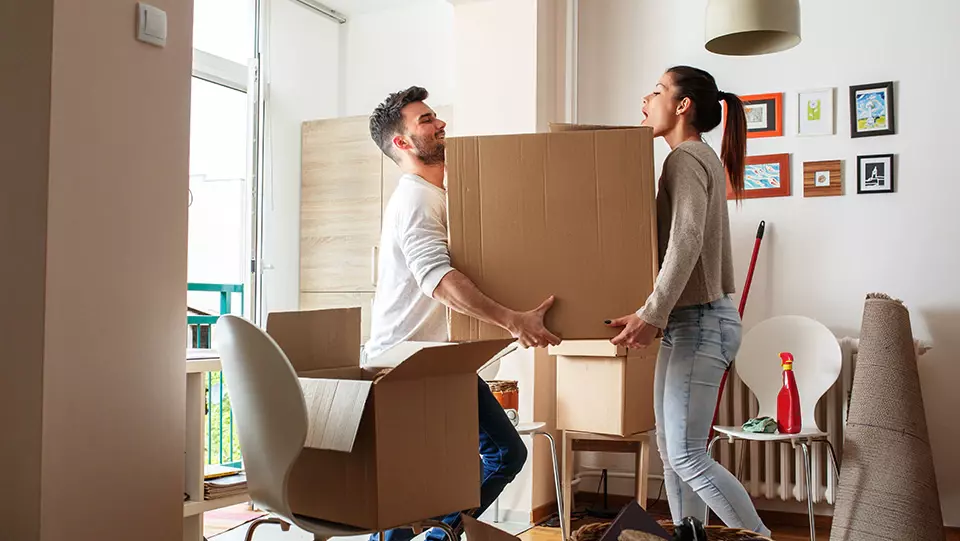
(354, 7)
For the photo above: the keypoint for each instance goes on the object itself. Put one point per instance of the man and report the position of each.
(416, 281)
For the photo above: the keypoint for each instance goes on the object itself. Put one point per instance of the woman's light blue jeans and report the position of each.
(698, 345)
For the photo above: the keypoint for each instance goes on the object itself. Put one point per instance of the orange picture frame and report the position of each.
(764, 114)
(765, 176)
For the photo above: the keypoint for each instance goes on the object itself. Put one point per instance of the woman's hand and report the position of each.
(636, 332)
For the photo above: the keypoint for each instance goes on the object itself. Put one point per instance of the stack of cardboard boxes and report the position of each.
(569, 213)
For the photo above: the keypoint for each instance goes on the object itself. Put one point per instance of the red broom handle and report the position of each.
(753, 266)
(743, 304)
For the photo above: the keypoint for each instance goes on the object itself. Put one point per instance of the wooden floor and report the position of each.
(788, 533)
(780, 533)
(785, 526)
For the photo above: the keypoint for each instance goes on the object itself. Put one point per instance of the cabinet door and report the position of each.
(321, 301)
(339, 205)
(390, 178)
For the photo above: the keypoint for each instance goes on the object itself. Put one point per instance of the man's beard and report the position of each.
(432, 152)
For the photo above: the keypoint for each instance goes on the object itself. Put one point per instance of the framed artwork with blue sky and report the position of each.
(872, 110)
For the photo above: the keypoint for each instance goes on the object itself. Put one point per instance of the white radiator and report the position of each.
(775, 470)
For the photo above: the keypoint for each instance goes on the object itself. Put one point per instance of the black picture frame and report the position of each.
(890, 115)
(887, 175)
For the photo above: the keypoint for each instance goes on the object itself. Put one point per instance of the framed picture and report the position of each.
(872, 110)
(765, 176)
(815, 112)
(822, 178)
(875, 173)
(764, 114)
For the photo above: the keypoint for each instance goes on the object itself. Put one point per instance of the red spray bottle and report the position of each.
(789, 420)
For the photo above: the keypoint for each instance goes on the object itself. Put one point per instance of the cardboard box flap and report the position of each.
(399, 353)
(478, 531)
(334, 411)
(317, 339)
(633, 517)
(563, 126)
(447, 359)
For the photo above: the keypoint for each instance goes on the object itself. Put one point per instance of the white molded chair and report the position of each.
(271, 417)
(816, 367)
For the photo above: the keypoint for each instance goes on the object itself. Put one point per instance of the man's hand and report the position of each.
(461, 294)
(636, 332)
(528, 328)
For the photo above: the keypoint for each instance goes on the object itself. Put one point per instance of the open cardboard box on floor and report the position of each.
(570, 213)
(603, 388)
(383, 448)
(632, 517)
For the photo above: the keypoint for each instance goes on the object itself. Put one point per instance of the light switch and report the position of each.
(151, 25)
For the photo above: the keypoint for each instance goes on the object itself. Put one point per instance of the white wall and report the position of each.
(821, 256)
(496, 67)
(317, 68)
(385, 51)
(301, 71)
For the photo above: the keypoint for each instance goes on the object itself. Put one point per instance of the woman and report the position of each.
(690, 303)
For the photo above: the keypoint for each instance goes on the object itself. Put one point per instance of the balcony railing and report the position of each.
(223, 446)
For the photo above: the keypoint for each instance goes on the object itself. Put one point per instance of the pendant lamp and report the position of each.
(752, 27)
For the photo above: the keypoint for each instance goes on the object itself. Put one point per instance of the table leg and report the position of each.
(643, 471)
(567, 507)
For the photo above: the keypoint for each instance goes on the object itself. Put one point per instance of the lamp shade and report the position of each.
(752, 27)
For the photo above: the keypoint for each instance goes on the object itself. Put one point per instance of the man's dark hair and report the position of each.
(386, 120)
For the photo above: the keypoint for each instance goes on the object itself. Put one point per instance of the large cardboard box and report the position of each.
(604, 389)
(382, 450)
(570, 213)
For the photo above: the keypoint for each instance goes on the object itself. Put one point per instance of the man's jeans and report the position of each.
(698, 345)
(502, 455)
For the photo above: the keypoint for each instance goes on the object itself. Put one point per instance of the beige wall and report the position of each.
(25, 46)
(99, 337)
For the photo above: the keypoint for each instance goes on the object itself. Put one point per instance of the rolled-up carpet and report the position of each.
(888, 487)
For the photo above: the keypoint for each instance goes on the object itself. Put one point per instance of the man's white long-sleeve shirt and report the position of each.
(414, 257)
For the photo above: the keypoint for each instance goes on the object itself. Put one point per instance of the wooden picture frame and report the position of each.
(876, 174)
(872, 110)
(764, 114)
(823, 178)
(765, 176)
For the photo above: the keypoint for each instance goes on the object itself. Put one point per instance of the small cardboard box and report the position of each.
(604, 389)
(570, 213)
(382, 450)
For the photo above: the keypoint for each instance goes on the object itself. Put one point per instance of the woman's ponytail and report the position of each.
(733, 149)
